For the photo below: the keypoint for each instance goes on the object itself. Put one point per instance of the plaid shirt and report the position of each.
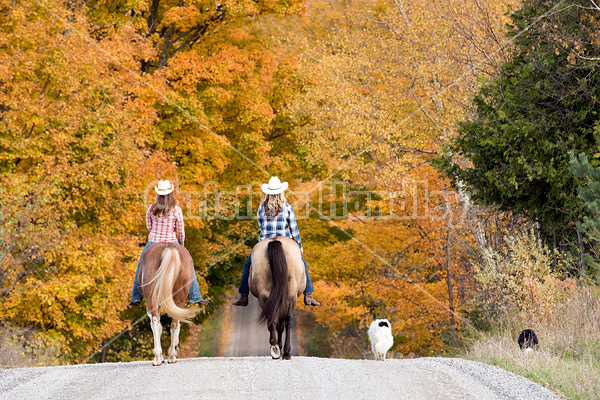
(284, 224)
(163, 229)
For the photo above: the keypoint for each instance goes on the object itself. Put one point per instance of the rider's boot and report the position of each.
(243, 301)
(309, 300)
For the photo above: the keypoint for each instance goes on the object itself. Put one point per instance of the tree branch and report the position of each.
(163, 56)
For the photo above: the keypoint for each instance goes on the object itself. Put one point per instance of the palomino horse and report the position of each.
(277, 279)
(165, 279)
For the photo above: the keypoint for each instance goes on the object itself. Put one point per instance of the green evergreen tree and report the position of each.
(590, 194)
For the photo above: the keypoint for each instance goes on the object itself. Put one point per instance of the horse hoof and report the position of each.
(287, 357)
(156, 362)
(172, 360)
(275, 352)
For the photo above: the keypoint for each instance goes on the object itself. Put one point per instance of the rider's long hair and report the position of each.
(163, 205)
(273, 204)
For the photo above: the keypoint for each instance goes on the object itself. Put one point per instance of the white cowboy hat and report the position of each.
(164, 187)
(274, 186)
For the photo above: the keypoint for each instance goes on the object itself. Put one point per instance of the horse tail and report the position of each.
(162, 293)
(279, 285)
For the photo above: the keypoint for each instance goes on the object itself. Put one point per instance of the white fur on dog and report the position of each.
(381, 338)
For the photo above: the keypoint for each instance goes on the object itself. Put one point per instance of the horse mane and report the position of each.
(279, 284)
(162, 292)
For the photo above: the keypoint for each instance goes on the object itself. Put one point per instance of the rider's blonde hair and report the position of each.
(274, 204)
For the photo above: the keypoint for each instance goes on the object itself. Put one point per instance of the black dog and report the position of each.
(527, 339)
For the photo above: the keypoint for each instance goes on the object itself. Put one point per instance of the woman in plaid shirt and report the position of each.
(164, 220)
(276, 218)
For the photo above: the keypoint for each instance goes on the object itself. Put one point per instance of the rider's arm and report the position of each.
(179, 225)
(149, 219)
(291, 221)
(260, 217)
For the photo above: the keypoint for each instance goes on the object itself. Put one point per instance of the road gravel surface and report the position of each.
(246, 374)
(264, 378)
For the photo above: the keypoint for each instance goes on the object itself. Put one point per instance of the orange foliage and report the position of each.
(75, 123)
(97, 101)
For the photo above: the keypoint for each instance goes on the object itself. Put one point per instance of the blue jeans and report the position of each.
(194, 295)
(245, 289)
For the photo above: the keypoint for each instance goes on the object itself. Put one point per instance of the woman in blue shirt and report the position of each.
(276, 218)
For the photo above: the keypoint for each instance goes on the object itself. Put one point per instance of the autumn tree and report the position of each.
(74, 127)
(174, 27)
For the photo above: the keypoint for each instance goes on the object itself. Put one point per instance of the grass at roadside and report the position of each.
(21, 347)
(205, 340)
(210, 336)
(313, 338)
(318, 341)
(568, 358)
(569, 377)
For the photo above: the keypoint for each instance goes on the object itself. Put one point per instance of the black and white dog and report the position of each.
(380, 336)
(527, 340)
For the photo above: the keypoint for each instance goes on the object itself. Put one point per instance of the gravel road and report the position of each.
(264, 378)
(242, 375)
(247, 337)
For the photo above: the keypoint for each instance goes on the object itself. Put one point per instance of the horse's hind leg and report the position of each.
(179, 297)
(288, 319)
(174, 349)
(157, 332)
(280, 328)
(287, 347)
(275, 349)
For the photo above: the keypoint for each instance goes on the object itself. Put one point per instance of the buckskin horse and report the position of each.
(167, 272)
(277, 278)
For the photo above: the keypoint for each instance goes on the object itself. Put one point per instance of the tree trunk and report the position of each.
(153, 17)
(554, 260)
(104, 352)
(449, 279)
(580, 250)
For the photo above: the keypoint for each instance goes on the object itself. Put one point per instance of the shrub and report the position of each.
(520, 280)
(21, 347)
(521, 287)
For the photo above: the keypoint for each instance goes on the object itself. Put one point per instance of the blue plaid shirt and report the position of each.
(284, 224)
